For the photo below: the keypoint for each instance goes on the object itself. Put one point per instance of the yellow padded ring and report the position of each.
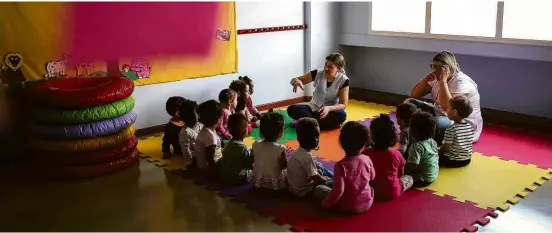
(84, 145)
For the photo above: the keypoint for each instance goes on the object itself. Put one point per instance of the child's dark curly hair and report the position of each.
(383, 132)
(308, 133)
(428, 108)
(188, 113)
(237, 125)
(210, 113)
(272, 126)
(173, 104)
(462, 106)
(248, 81)
(422, 125)
(239, 87)
(226, 95)
(353, 138)
(405, 111)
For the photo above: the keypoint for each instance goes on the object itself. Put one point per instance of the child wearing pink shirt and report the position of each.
(389, 163)
(351, 191)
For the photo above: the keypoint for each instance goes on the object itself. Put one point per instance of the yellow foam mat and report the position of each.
(249, 141)
(359, 110)
(150, 149)
(489, 181)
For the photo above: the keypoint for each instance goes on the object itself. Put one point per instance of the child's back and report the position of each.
(357, 172)
(425, 154)
(351, 191)
(267, 172)
(235, 166)
(389, 166)
(206, 138)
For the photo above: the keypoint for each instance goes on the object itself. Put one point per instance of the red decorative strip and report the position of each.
(271, 29)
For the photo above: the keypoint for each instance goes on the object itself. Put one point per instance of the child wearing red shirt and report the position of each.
(389, 163)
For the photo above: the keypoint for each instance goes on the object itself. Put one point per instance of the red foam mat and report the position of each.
(512, 144)
(414, 211)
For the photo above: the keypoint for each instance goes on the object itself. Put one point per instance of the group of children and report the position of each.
(210, 138)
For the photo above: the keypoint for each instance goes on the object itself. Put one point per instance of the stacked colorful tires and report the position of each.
(84, 127)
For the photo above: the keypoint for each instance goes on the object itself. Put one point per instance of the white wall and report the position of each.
(270, 59)
(322, 33)
(355, 32)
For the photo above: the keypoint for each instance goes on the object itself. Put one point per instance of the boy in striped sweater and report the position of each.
(457, 146)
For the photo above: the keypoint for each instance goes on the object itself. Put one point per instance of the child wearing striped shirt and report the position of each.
(457, 146)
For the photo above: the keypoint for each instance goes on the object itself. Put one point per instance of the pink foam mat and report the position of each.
(414, 211)
(512, 144)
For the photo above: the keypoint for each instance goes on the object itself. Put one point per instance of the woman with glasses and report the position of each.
(444, 82)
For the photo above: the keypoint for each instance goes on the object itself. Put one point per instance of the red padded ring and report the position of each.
(78, 93)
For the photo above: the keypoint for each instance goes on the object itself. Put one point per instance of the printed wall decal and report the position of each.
(223, 34)
(11, 68)
(56, 69)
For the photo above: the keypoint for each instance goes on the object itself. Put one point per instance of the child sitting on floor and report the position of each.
(390, 181)
(172, 129)
(457, 146)
(404, 113)
(242, 89)
(235, 166)
(228, 101)
(249, 101)
(269, 169)
(423, 159)
(208, 144)
(188, 134)
(304, 172)
(351, 191)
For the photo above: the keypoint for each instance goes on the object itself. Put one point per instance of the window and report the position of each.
(530, 20)
(409, 17)
(464, 18)
(524, 22)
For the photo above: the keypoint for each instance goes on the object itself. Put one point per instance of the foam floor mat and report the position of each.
(461, 215)
(360, 110)
(489, 181)
(150, 149)
(514, 144)
(414, 211)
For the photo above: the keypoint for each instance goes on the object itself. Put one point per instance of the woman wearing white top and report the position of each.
(330, 96)
(444, 82)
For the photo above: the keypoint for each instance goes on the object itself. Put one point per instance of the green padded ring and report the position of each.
(97, 113)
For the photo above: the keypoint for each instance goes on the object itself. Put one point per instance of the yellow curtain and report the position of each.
(31, 34)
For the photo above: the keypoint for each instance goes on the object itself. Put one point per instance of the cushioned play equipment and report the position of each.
(489, 181)
(83, 145)
(360, 110)
(87, 130)
(515, 144)
(414, 211)
(89, 171)
(78, 93)
(289, 133)
(96, 113)
(94, 157)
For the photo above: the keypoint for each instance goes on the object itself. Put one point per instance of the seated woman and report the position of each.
(444, 82)
(330, 96)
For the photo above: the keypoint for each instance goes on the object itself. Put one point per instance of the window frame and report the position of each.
(427, 35)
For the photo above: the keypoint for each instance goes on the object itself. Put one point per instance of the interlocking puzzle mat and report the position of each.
(414, 211)
(289, 132)
(150, 149)
(489, 181)
(329, 150)
(360, 110)
(514, 144)
(462, 215)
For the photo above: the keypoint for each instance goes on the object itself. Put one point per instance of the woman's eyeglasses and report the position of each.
(436, 67)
